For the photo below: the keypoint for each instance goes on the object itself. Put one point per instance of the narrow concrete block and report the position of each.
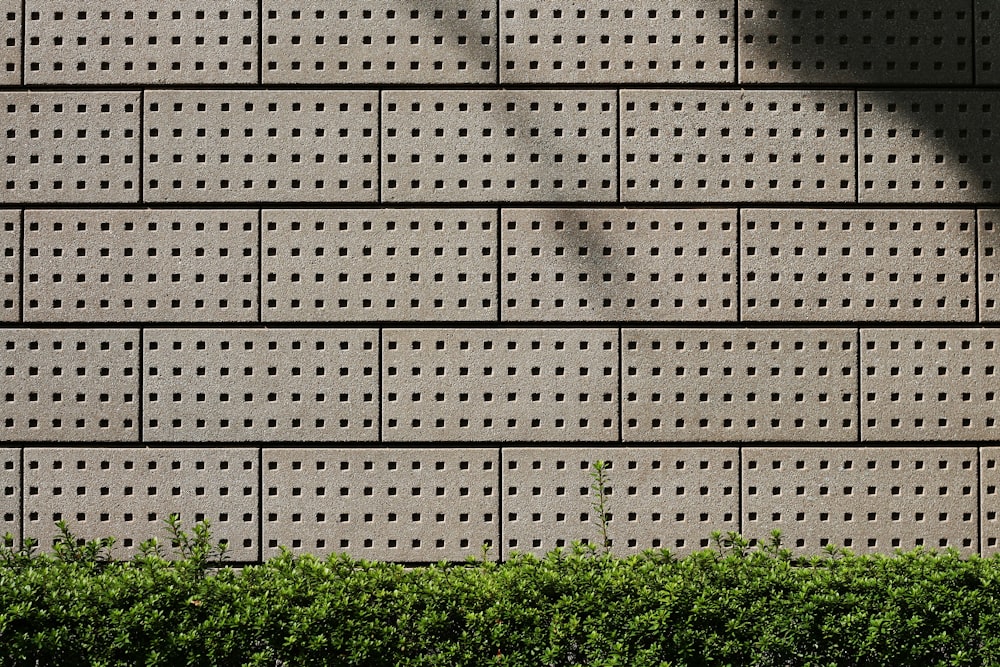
(987, 46)
(379, 264)
(10, 265)
(129, 494)
(140, 265)
(70, 147)
(658, 498)
(727, 145)
(501, 146)
(858, 265)
(739, 385)
(870, 500)
(70, 384)
(10, 493)
(612, 265)
(500, 384)
(263, 145)
(404, 505)
(612, 42)
(989, 500)
(10, 42)
(989, 265)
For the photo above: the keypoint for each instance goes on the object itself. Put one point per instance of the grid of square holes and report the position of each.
(129, 493)
(588, 264)
(415, 264)
(128, 266)
(857, 41)
(69, 384)
(760, 146)
(10, 493)
(10, 42)
(260, 385)
(987, 48)
(989, 265)
(869, 500)
(858, 265)
(658, 498)
(260, 145)
(608, 42)
(989, 500)
(499, 145)
(929, 384)
(10, 265)
(359, 41)
(423, 505)
(500, 384)
(179, 41)
(70, 147)
(739, 385)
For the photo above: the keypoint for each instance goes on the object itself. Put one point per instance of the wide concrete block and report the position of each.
(987, 47)
(404, 505)
(858, 265)
(70, 384)
(499, 145)
(379, 264)
(10, 265)
(262, 145)
(870, 500)
(104, 42)
(739, 385)
(268, 385)
(989, 499)
(10, 42)
(140, 265)
(312, 42)
(129, 493)
(70, 147)
(499, 384)
(613, 265)
(612, 42)
(10, 493)
(989, 264)
(657, 498)
(727, 145)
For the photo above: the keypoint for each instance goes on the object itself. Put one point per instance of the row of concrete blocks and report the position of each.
(431, 504)
(489, 265)
(917, 42)
(761, 146)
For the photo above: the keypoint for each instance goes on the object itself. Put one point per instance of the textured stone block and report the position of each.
(262, 145)
(658, 498)
(989, 500)
(499, 384)
(70, 147)
(260, 385)
(10, 42)
(104, 42)
(989, 264)
(596, 264)
(610, 42)
(505, 146)
(10, 493)
(10, 265)
(987, 47)
(871, 500)
(851, 265)
(129, 494)
(140, 265)
(739, 385)
(69, 384)
(423, 505)
(380, 264)
(727, 145)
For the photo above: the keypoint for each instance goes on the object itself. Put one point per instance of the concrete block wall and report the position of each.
(387, 278)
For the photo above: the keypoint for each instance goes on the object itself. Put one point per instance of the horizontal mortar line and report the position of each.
(249, 446)
(499, 326)
(493, 204)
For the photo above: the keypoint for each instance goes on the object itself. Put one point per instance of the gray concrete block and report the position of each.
(70, 384)
(855, 42)
(70, 147)
(611, 42)
(858, 265)
(140, 265)
(657, 498)
(929, 384)
(502, 146)
(987, 47)
(129, 493)
(10, 265)
(358, 41)
(499, 384)
(379, 264)
(10, 493)
(989, 264)
(612, 265)
(989, 500)
(262, 145)
(727, 145)
(739, 385)
(404, 505)
(871, 500)
(104, 42)
(266, 385)
(10, 42)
